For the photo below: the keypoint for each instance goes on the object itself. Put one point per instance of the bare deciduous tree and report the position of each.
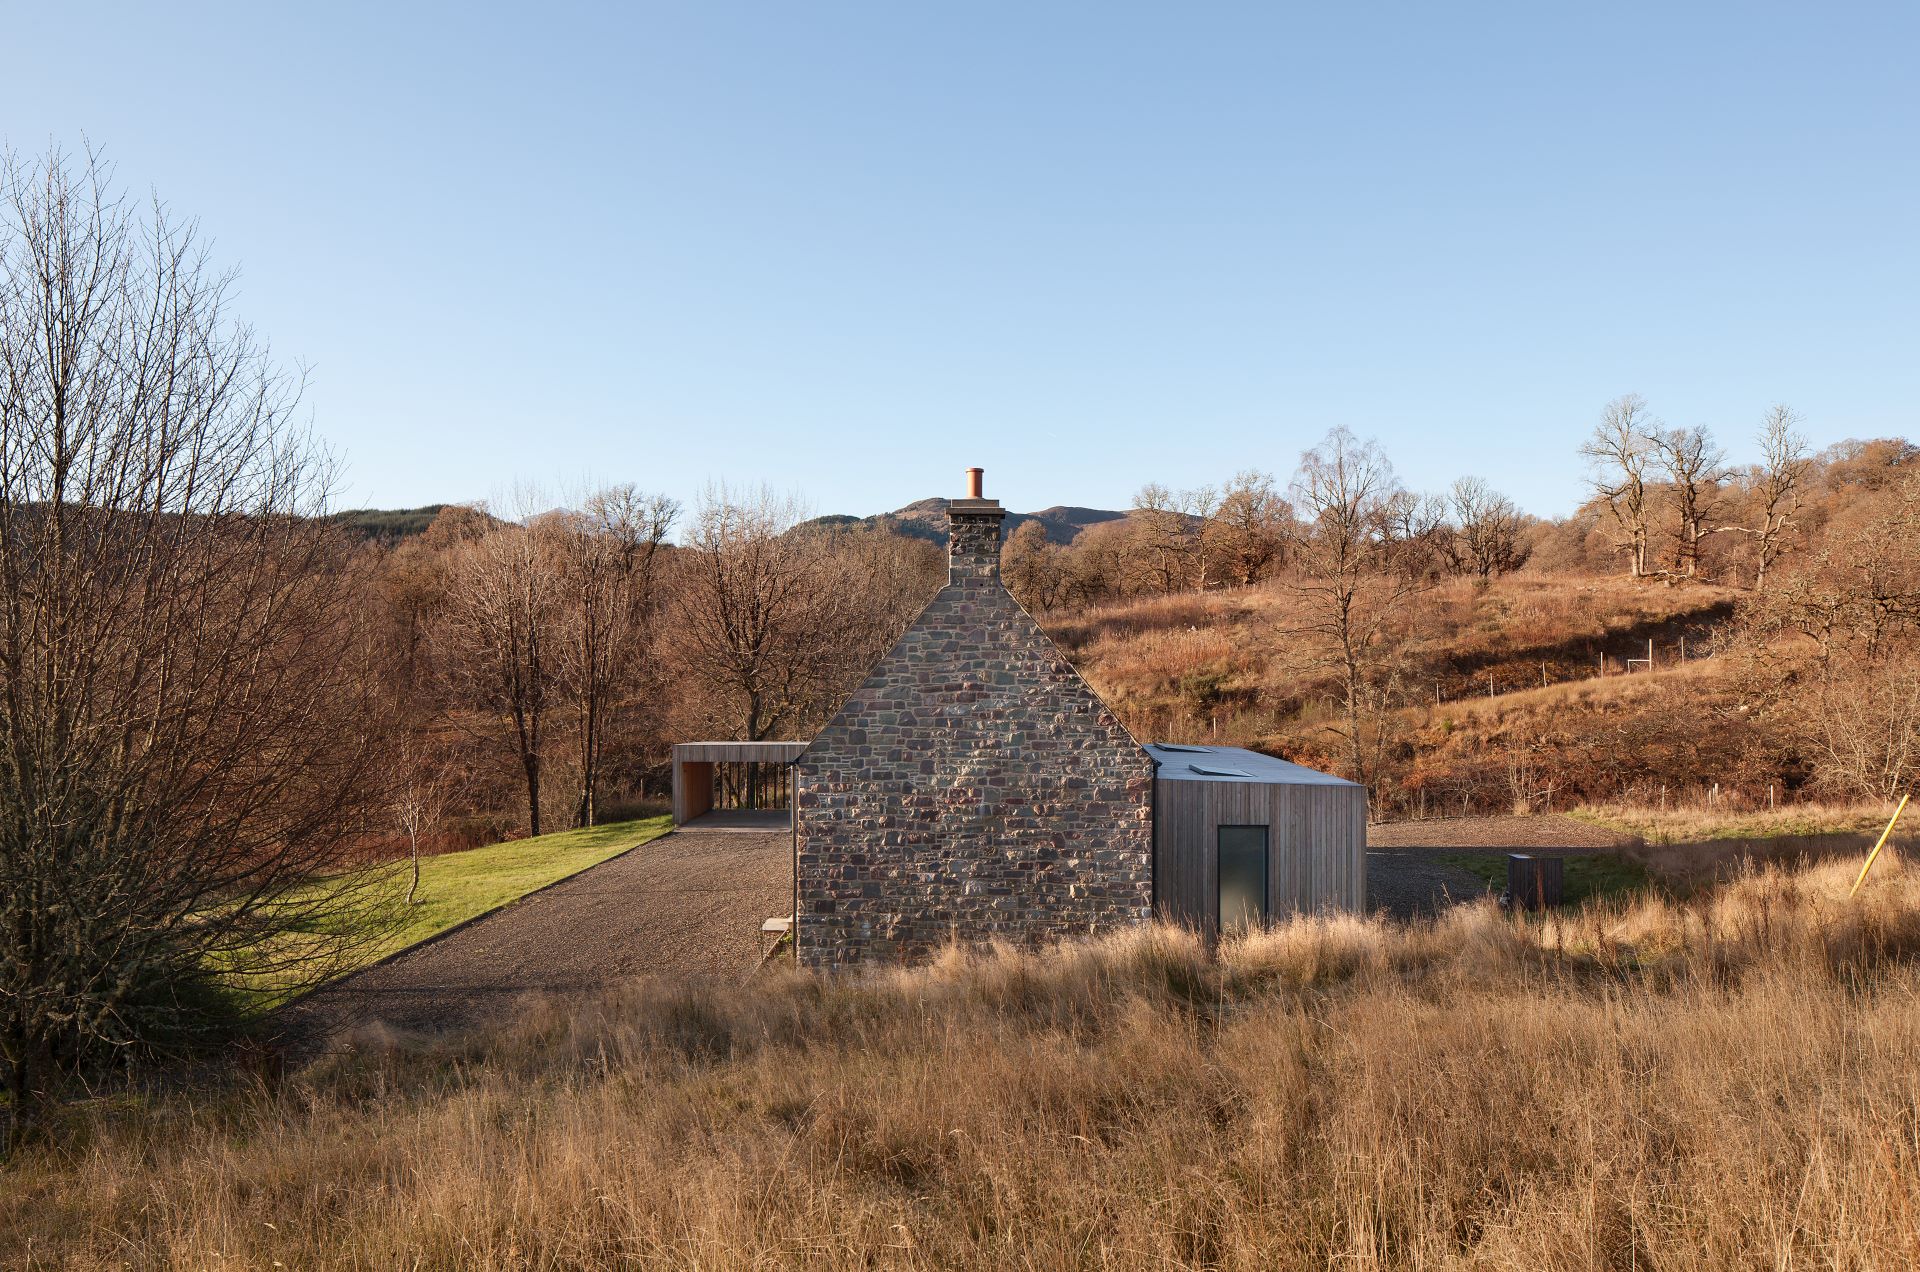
(496, 638)
(1864, 726)
(1487, 525)
(773, 622)
(1248, 528)
(1620, 454)
(185, 722)
(1352, 573)
(607, 562)
(1855, 698)
(421, 788)
(1097, 563)
(1694, 465)
(1775, 489)
(1166, 528)
(1034, 571)
(1416, 528)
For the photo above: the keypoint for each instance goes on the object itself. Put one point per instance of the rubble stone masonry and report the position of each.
(973, 786)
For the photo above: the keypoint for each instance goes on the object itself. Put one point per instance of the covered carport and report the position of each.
(746, 776)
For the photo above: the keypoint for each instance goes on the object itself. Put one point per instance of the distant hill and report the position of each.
(927, 519)
(921, 519)
(387, 525)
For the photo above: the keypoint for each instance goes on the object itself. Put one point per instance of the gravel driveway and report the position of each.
(686, 905)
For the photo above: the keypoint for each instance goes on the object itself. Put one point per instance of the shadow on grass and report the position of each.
(1603, 875)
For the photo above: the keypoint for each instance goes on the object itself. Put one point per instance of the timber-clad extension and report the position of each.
(1209, 802)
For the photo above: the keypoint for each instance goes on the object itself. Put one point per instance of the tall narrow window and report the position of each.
(1243, 877)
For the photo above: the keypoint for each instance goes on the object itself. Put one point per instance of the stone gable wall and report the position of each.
(974, 785)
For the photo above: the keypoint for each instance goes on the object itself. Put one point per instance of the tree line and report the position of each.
(561, 646)
(1247, 531)
(1675, 486)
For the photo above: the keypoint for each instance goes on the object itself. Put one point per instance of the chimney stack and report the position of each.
(973, 535)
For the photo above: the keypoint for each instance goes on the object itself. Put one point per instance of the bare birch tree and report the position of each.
(1352, 573)
(186, 730)
(421, 788)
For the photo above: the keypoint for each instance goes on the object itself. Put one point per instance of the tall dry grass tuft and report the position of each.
(1726, 1082)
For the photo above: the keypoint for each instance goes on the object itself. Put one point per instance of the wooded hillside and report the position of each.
(1694, 632)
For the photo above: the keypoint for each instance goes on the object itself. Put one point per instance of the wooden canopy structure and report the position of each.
(693, 769)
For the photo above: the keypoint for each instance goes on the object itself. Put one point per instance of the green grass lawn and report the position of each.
(1599, 875)
(458, 886)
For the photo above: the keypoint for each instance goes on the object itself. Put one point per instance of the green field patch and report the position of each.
(455, 887)
(1587, 876)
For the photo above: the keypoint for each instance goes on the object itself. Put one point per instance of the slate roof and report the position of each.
(1234, 764)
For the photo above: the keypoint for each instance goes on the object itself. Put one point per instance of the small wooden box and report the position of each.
(1534, 883)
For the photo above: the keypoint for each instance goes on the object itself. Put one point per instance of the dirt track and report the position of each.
(687, 905)
(1548, 831)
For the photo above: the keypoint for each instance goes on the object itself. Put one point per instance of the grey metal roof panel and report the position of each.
(1214, 763)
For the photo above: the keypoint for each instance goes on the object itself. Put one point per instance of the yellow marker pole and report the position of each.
(1882, 844)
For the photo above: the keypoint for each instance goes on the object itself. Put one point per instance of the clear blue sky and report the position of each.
(850, 249)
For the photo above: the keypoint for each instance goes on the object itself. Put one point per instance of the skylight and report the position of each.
(1220, 772)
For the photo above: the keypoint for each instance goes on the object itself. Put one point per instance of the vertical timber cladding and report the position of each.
(1316, 832)
(973, 786)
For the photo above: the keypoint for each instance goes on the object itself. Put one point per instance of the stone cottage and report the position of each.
(974, 785)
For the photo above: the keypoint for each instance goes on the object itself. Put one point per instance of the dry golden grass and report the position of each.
(1613, 692)
(1543, 611)
(1695, 825)
(1725, 1084)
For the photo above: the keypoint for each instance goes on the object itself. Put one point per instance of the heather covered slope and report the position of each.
(1518, 696)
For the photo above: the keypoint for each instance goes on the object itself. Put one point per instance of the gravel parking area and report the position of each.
(1408, 877)
(1416, 883)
